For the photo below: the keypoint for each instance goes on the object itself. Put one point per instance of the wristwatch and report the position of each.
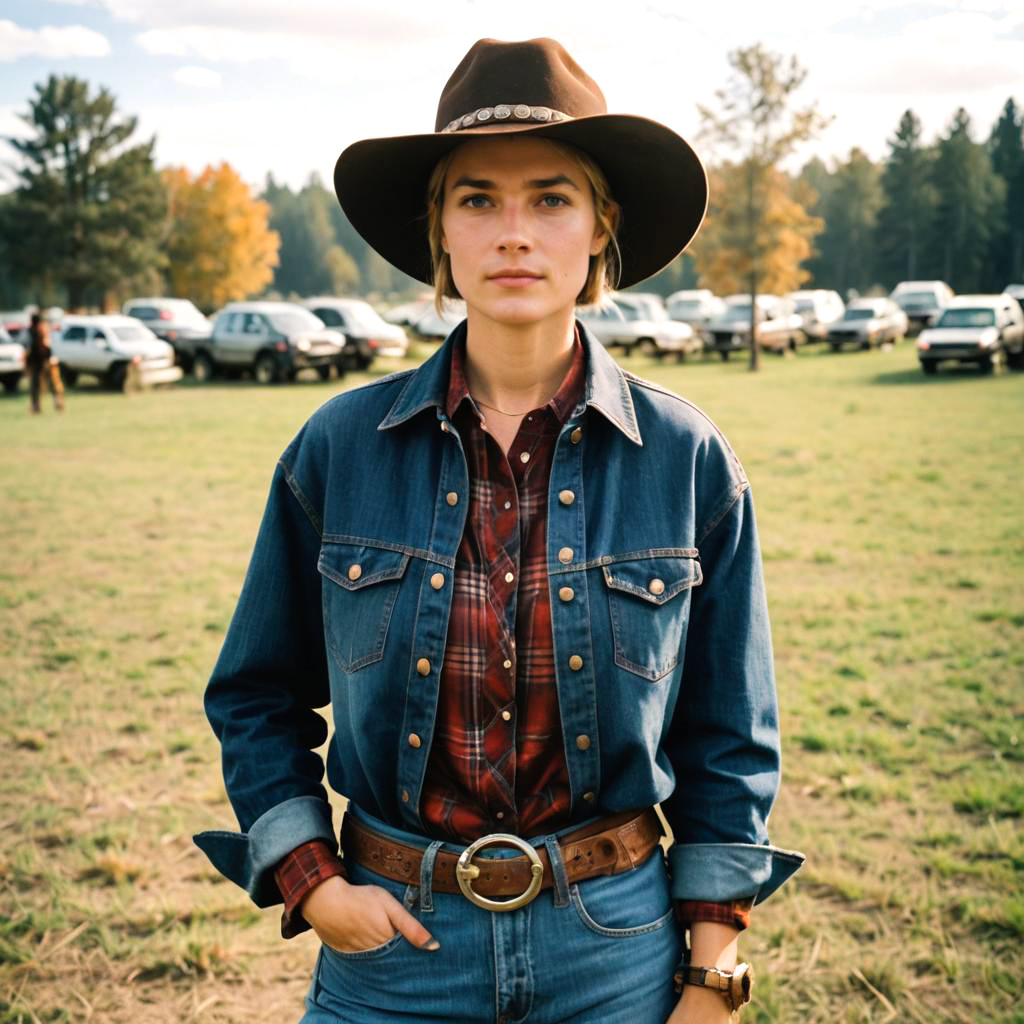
(735, 987)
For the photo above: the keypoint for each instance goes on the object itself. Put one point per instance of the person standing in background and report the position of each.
(42, 366)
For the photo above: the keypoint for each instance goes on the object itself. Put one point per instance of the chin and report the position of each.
(514, 311)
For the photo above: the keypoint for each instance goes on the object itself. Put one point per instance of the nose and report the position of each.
(512, 234)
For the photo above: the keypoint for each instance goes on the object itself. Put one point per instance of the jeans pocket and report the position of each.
(630, 903)
(648, 603)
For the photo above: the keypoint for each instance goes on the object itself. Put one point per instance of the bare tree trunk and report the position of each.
(755, 340)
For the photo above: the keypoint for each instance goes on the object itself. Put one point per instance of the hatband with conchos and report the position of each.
(505, 112)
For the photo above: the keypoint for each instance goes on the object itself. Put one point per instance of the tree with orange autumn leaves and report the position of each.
(219, 244)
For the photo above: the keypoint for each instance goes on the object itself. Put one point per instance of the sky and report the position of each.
(284, 87)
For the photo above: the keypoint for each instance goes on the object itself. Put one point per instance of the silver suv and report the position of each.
(272, 340)
(176, 321)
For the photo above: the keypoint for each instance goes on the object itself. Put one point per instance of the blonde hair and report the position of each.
(605, 268)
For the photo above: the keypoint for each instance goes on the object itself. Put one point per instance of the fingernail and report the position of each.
(432, 945)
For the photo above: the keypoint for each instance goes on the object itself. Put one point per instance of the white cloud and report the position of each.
(199, 78)
(50, 41)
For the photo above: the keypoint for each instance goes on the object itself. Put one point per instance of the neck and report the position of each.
(517, 368)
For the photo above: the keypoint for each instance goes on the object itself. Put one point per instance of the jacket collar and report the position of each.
(606, 388)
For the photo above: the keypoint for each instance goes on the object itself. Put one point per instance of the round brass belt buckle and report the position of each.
(465, 872)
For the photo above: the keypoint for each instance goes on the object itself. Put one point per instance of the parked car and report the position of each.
(647, 327)
(176, 321)
(922, 301)
(12, 361)
(780, 327)
(436, 327)
(694, 306)
(868, 322)
(272, 340)
(982, 329)
(1017, 292)
(362, 325)
(107, 346)
(406, 314)
(819, 308)
(14, 321)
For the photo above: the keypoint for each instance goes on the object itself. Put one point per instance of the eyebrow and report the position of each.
(486, 183)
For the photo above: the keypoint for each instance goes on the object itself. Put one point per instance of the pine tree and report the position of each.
(970, 196)
(908, 205)
(89, 208)
(1006, 148)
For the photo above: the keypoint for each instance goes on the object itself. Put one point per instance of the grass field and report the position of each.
(890, 509)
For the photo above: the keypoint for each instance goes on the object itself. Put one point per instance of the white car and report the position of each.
(362, 324)
(108, 346)
(981, 329)
(437, 327)
(922, 301)
(694, 306)
(12, 361)
(648, 327)
(868, 322)
(779, 326)
(820, 308)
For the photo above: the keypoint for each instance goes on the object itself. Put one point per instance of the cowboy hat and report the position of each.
(532, 87)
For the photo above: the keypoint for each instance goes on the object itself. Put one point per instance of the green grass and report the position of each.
(890, 513)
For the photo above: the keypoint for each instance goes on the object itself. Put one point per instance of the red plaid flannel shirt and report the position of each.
(496, 762)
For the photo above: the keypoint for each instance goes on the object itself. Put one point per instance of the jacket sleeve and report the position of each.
(270, 675)
(723, 738)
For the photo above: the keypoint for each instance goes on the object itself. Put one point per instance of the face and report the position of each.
(519, 226)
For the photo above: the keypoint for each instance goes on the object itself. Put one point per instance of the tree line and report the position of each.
(92, 219)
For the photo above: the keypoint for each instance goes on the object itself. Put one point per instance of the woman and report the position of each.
(529, 586)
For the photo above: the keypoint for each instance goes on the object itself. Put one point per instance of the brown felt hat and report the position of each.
(536, 87)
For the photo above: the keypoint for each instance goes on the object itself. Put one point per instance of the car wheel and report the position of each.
(929, 365)
(324, 372)
(648, 346)
(202, 368)
(265, 370)
(835, 348)
(1015, 359)
(68, 376)
(992, 363)
(363, 362)
(724, 353)
(117, 376)
(11, 383)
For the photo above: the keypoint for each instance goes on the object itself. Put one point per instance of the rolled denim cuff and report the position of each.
(249, 858)
(729, 871)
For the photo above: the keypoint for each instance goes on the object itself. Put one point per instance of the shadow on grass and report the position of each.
(919, 378)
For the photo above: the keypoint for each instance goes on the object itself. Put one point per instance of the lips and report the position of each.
(514, 276)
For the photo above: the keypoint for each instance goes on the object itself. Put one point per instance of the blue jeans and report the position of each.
(603, 949)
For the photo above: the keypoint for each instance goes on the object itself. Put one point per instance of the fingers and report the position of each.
(405, 923)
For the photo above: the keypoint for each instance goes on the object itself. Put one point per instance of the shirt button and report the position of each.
(588, 796)
(524, 456)
(444, 426)
(576, 436)
(656, 586)
(500, 815)
(575, 663)
(508, 504)
(565, 555)
(452, 498)
(506, 715)
(414, 740)
(423, 667)
(437, 580)
(509, 577)
(566, 593)
(583, 742)
(405, 796)
(355, 571)
(566, 497)
(506, 663)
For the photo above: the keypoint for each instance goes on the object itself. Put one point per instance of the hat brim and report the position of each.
(653, 173)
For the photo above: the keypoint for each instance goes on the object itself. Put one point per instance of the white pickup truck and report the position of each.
(118, 350)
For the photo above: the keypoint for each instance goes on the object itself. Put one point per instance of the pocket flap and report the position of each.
(656, 579)
(354, 566)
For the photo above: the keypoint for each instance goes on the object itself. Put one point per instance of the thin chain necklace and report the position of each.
(480, 401)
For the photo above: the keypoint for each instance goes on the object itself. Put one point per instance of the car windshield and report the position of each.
(294, 321)
(365, 315)
(737, 311)
(967, 318)
(686, 306)
(918, 299)
(139, 333)
(864, 313)
(804, 305)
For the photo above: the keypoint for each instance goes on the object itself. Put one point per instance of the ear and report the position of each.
(444, 244)
(599, 241)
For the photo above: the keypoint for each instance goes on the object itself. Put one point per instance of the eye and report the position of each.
(471, 201)
(553, 201)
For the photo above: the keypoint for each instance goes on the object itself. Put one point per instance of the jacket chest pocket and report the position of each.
(360, 587)
(648, 599)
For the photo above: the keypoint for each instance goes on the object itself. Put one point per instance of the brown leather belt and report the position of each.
(618, 842)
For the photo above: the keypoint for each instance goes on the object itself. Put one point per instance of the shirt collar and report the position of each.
(561, 403)
(606, 387)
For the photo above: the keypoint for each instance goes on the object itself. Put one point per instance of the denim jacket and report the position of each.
(663, 656)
